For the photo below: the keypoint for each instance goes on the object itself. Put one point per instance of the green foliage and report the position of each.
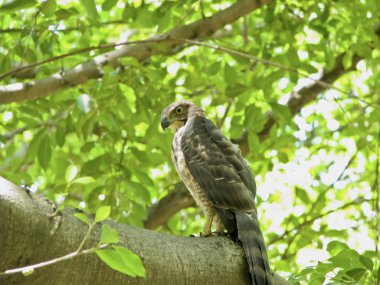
(102, 213)
(109, 235)
(100, 143)
(83, 217)
(123, 260)
(346, 266)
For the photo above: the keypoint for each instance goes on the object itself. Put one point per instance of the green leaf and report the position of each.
(44, 152)
(122, 260)
(253, 143)
(366, 261)
(281, 112)
(112, 259)
(128, 93)
(230, 75)
(302, 195)
(48, 7)
(214, 68)
(108, 4)
(336, 246)
(84, 180)
(109, 235)
(15, 5)
(254, 119)
(60, 136)
(102, 213)
(131, 260)
(316, 278)
(70, 173)
(5, 64)
(63, 14)
(347, 60)
(356, 273)
(90, 7)
(363, 50)
(346, 259)
(83, 217)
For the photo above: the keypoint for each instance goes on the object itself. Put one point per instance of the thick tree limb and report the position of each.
(18, 92)
(29, 236)
(179, 198)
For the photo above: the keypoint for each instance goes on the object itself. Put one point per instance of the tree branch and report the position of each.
(201, 29)
(28, 236)
(179, 198)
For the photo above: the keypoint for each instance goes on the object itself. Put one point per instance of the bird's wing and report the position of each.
(217, 165)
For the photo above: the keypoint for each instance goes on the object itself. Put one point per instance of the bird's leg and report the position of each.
(219, 226)
(210, 213)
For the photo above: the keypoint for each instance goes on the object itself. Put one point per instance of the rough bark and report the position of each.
(160, 44)
(29, 236)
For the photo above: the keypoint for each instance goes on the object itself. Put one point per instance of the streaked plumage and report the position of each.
(220, 181)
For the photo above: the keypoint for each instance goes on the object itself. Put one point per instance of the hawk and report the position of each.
(220, 180)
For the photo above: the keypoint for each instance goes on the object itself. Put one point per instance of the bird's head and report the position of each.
(176, 114)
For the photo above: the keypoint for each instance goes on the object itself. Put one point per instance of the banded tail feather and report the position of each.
(250, 236)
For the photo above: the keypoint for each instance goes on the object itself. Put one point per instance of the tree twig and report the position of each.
(31, 268)
(75, 52)
(93, 68)
(277, 65)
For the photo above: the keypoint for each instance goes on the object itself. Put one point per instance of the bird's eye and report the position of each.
(179, 110)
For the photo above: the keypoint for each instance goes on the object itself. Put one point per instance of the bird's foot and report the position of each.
(221, 233)
(201, 234)
(218, 233)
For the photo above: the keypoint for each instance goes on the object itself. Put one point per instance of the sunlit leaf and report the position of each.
(122, 260)
(109, 235)
(367, 262)
(356, 273)
(90, 7)
(84, 180)
(83, 217)
(108, 4)
(44, 152)
(102, 213)
(48, 7)
(70, 173)
(335, 246)
(302, 195)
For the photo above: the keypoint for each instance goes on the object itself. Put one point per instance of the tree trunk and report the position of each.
(29, 236)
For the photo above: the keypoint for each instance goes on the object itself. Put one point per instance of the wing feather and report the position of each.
(217, 165)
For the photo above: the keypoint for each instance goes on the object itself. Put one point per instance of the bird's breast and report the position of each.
(185, 174)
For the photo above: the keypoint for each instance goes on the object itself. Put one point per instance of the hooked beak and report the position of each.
(165, 122)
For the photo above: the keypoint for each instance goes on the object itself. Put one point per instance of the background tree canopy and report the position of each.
(294, 83)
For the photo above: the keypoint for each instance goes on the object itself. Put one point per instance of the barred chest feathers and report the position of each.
(179, 161)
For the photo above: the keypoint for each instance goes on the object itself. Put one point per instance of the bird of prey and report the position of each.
(220, 180)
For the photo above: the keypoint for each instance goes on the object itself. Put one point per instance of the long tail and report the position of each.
(250, 235)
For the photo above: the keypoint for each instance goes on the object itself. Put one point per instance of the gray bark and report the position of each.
(29, 236)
